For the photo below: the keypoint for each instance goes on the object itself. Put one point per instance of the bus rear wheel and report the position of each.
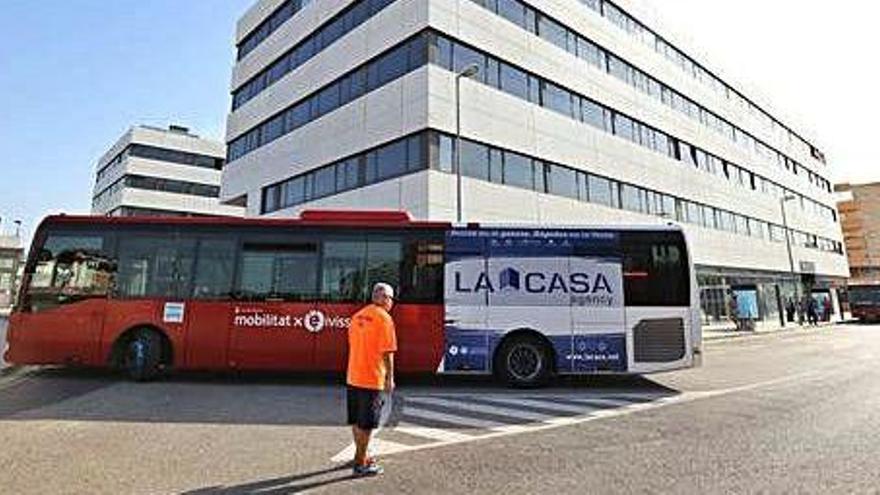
(142, 355)
(523, 362)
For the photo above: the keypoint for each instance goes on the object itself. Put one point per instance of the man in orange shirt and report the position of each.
(371, 346)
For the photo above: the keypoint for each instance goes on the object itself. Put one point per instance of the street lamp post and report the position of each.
(782, 202)
(469, 71)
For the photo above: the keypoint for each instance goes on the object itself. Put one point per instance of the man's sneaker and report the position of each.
(369, 469)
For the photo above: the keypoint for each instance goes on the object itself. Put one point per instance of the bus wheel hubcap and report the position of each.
(524, 362)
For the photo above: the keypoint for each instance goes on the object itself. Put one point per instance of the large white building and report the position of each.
(580, 113)
(152, 171)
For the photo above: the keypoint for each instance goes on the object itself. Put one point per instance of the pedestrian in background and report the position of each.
(803, 310)
(790, 310)
(813, 312)
(733, 306)
(827, 307)
(372, 343)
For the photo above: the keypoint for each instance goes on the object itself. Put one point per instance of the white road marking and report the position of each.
(431, 433)
(480, 408)
(378, 447)
(598, 401)
(542, 404)
(506, 430)
(451, 418)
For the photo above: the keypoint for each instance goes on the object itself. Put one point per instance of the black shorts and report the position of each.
(364, 407)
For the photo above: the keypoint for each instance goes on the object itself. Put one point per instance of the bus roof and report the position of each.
(332, 218)
(665, 227)
(310, 218)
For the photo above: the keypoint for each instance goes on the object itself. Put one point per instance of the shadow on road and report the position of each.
(284, 484)
(251, 398)
(23, 391)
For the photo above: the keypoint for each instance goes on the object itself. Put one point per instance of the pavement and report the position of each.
(791, 411)
(3, 324)
(730, 331)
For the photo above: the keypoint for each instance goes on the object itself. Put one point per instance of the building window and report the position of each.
(562, 181)
(389, 66)
(518, 171)
(475, 160)
(514, 81)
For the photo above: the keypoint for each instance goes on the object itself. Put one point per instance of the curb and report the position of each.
(733, 335)
(8, 370)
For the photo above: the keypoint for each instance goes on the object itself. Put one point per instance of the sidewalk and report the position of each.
(3, 364)
(723, 332)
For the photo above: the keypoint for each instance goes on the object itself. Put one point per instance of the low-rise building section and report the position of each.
(11, 261)
(153, 171)
(859, 206)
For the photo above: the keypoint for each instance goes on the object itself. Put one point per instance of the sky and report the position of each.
(815, 62)
(75, 74)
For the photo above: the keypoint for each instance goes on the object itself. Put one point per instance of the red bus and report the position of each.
(864, 302)
(149, 294)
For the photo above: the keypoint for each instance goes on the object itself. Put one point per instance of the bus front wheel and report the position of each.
(142, 355)
(523, 361)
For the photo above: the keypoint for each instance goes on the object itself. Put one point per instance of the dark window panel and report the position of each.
(552, 31)
(474, 160)
(514, 81)
(518, 170)
(321, 38)
(562, 181)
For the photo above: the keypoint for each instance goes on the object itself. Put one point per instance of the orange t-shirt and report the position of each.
(370, 336)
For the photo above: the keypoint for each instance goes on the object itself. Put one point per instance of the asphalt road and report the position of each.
(794, 412)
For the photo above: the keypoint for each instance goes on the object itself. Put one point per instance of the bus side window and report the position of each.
(215, 268)
(655, 270)
(384, 258)
(279, 271)
(351, 267)
(154, 266)
(70, 268)
(422, 279)
(343, 265)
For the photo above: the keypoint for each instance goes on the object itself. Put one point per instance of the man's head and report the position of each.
(383, 295)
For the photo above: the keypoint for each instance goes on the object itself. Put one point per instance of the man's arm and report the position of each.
(388, 357)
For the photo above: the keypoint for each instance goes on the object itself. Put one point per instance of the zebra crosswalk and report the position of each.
(423, 420)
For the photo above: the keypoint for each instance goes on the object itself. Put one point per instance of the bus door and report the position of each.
(328, 323)
(598, 316)
(270, 327)
(206, 333)
(351, 265)
(207, 310)
(467, 283)
(343, 291)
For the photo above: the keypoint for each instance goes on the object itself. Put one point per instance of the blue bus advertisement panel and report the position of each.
(566, 285)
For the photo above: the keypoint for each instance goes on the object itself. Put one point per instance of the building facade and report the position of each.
(859, 206)
(152, 171)
(569, 111)
(11, 260)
